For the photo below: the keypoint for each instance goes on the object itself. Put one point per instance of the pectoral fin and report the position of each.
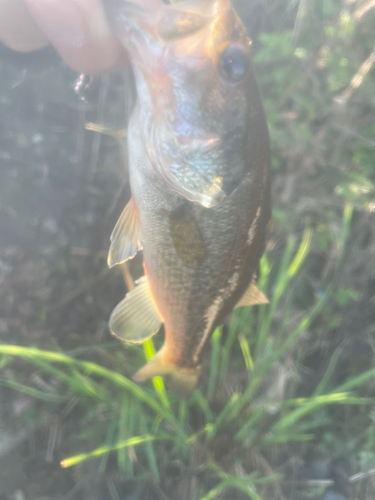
(136, 319)
(253, 296)
(125, 236)
(182, 381)
(194, 186)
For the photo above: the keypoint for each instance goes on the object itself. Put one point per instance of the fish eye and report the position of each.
(233, 64)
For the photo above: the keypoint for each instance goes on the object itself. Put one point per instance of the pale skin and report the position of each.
(77, 29)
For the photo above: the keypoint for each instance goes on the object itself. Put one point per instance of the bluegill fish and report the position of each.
(199, 174)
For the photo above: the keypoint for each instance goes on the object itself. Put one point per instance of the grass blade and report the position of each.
(35, 393)
(239, 482)
(109, 440)
(321, 387)
(103, 450)
(215, 360)
(149, 351)
(151, 457)
(308, 405)
(356, 381)
(216, 491)
(246, 353)
(34, 354)
(199, 400)
(123, 431)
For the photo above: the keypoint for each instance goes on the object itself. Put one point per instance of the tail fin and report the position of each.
(182, 381)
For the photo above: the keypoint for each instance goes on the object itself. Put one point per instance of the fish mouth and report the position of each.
(148, 25)
(136, 31)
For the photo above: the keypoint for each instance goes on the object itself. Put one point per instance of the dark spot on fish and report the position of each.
(186, 237)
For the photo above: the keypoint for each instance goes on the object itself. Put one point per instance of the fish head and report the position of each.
(192, 65)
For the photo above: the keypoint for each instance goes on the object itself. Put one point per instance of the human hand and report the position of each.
(78, 30)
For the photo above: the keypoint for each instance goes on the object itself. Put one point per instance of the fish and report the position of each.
(198, 161)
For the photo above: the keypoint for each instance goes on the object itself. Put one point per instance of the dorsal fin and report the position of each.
(253, 296)
(125, 236)
(136, 319)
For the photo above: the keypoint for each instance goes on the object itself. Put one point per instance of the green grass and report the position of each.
(253, 414)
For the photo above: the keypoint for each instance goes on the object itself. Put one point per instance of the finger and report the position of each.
(79, 31)
(18, 30)
(150, 5)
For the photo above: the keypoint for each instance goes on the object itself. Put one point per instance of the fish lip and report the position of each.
(189, 145)
(133, 21)
(141, 25)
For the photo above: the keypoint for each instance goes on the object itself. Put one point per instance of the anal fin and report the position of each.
(253, 296)
(136, 319)
(125, 236)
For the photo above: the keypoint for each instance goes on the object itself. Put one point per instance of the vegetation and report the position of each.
(285, 409)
